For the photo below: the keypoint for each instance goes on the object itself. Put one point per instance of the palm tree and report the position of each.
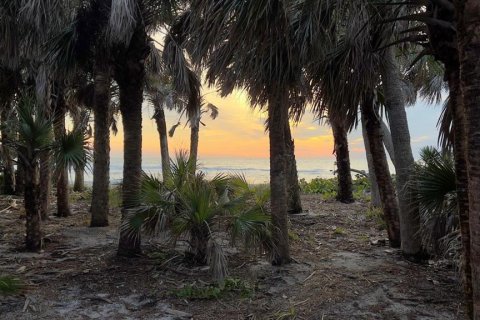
(395, 101)
(468, 24)
(345, 186)
(437, 22)
(35, 137)
(63, 206)
(254, 50)
(347, 75)
(294, 203)
(129, 24)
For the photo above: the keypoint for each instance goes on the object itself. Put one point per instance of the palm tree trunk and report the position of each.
(468, 26)
(159, 117)
(101, 147)
(130, 76)
(131, 107)
(294, 203)
(375, 193)
(63, 206)
(79, 123)
(79, 182)
(404, 161)
(8, 168)
(32, 208)
(382, 173)
(194, 136)
(345, 187)
(45, 184)
(460, 153)
(277, 115)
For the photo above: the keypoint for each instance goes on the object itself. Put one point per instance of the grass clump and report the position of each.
(9, 285)
(215, 291)
(339, 231)
(376, 214)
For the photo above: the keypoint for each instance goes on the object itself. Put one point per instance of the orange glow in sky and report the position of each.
(238, 131)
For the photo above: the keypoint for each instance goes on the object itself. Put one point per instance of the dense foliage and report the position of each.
(328, 187)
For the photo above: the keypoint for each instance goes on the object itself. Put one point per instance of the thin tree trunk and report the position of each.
(45, 184)
(8, 167)
(277, 115)
(101, 147)
(388, 142)
(194, 136)
(63, 205)
(130, 76)
(404, 161)
(79, 182)
(375, 193)
(32, 209)
(382, 173)
(468, 26)
(294, 203)
(340, 137)
(460, 153)
(159, 117)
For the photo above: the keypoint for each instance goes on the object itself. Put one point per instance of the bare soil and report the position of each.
(342, 269)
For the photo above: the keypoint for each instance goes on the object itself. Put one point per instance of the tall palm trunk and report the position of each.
(130, 76)
(345, 188)
(382, 173)
(294, 203)
(101, 146)
(8, 168)
(45, 184)
(468, 26)
(375, 193)
(159, 117)
(32, 207)
(63, 206)
(194, 137)
(404, 161)
(460, 153)
(277, 115)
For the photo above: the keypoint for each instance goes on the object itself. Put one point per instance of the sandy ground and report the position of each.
(342, 270)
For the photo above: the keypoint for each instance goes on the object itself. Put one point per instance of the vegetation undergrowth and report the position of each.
(188, 206)
(228, 287)
(328, 187)
(9, 285)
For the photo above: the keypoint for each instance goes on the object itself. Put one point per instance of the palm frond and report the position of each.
(72, 150)
(122, 21)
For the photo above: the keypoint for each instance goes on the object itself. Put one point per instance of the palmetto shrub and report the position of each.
(436, 195)
(186, 205)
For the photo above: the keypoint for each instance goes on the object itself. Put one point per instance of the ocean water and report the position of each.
(256, 170)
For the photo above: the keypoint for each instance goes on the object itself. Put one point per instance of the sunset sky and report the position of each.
(239, 131)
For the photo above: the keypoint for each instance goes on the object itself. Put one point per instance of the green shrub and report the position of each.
(328, 187)
(187, 205)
